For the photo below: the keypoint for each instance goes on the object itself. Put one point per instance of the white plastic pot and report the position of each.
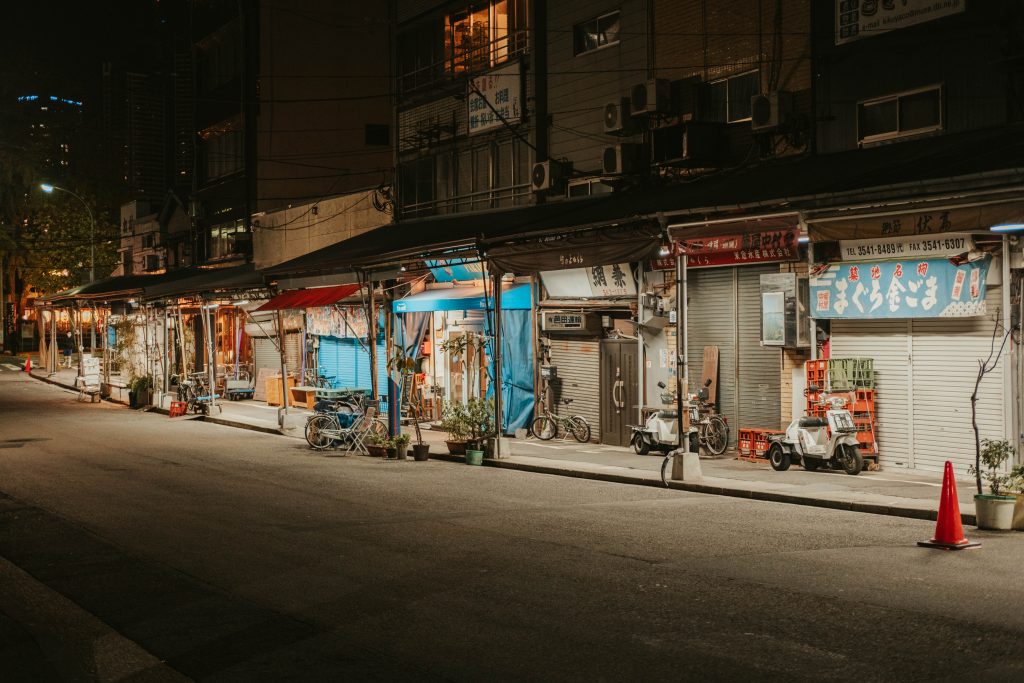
(994, 512)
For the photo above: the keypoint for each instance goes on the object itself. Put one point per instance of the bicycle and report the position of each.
(546, 426)
(712, 429)
(325, 429)
(315, 379)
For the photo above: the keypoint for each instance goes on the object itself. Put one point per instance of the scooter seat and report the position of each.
(667, 414)
(813, 422)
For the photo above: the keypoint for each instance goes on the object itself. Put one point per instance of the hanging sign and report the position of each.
(765, 246)
(595, 282)
(493, 99)
(906, 247)
(928, 288)
(865, 18)
(337, 321)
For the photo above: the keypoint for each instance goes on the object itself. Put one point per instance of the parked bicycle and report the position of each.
(334, 425)
(707, 429)
(315, 379)
(547, 426)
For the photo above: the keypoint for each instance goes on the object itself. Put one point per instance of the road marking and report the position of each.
(905, 481)
(12, 367)
(544, 445)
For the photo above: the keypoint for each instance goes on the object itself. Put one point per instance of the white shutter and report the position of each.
(886, 342)
(579, 371)
(760, 367)
(711, 321)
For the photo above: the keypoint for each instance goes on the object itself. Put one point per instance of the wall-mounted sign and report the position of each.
(928, 288)
(337, 321)
(765, 246)
(494, 98)
(910, 246)
(590, 283)
(865, 18)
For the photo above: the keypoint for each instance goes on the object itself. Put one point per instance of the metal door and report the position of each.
(578, 367)
(619, 392)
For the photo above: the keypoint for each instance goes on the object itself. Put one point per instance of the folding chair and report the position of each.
(354, 437)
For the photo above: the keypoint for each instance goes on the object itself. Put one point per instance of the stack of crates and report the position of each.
(854, 380)
(753, 443)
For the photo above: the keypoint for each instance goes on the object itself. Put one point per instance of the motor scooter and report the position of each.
(661, 430)
(819, 442)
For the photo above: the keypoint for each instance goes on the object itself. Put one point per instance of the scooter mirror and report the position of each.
(707, 382)
(812, 389)
(661, 385)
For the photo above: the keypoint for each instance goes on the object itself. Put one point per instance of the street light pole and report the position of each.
(48, 188)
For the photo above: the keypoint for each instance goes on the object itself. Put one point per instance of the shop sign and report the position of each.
(926, 288)
(494, 99)
(865, 18)
(910, 246)
(765, 246)
(590, 283)
(337, 321)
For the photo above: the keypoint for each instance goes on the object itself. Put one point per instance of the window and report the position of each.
(152, 262)
(729, 98)
(220, 57)
(378, 134)
(484, 34)
(224, 238)
(909, 113)
(220, 148)
(596, 33)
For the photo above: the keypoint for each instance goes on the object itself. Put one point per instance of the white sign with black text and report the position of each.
(865, 18)
(909, 247)
(494, 99)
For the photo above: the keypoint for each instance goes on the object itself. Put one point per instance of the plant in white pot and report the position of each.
(994, 510)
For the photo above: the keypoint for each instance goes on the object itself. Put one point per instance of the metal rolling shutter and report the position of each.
(348, 364)
(712, 322)
(886, 342)
(265, 355)
(945, 354)
(293, 353)
(760, 367)
(579, 371)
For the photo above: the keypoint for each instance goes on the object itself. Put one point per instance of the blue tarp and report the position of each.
(514, 297)
(516, 368)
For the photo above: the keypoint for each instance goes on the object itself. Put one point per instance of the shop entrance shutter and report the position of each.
(348, 364)
(579, 374)
(712, 322)
(265, 355)
(293, 353)
(886, 342)
(760, 367)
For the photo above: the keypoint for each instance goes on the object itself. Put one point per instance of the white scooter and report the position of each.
(661, 431)
(830, 441)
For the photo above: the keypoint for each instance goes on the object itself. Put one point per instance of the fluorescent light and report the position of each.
(46, 187)
(241, 302)
(803, 239)
(1008, 227)
(665, 250)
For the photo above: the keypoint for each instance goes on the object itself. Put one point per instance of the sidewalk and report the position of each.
(887, 492)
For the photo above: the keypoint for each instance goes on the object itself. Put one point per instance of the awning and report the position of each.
(309, 298)
(200, 280)
(513, 297)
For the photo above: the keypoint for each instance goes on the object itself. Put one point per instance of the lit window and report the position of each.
(484, 34)
(729, 98)
(596, 33)
(910, 113)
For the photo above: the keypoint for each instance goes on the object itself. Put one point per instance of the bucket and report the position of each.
(474, 457)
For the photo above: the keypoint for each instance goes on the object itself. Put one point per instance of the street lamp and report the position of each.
(48, 189)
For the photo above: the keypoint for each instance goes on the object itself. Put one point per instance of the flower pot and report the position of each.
(474, 457)
(377, 451)
(421, 451)
(456, 447)
(400, 452)
(1018, 513)
(391, 453)
(133, 399)
(994, 512)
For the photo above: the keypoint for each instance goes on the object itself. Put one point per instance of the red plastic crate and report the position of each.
(178, 408)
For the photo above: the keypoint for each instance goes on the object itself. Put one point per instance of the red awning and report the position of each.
(309, 298)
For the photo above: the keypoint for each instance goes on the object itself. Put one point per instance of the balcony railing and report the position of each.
(464, 62)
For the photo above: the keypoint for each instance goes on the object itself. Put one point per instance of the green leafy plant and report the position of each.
(375, 439)
(141, 383)
(480, 415)
(401, 441)
(455, 421)
(1017, 479)
(994, 455)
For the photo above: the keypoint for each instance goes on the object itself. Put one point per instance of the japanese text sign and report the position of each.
(864, 18)
(906, 247)
(927, 288)
(734, 250)
(494, 97)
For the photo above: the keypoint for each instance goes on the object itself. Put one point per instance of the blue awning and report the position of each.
(513, 297)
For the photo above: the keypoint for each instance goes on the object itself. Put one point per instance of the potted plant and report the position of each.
(1017, 479)
(455, 421)
(390, 451)
(140, 391)
(480, 414)
(401, 444)
(995, 509)
(375, 445)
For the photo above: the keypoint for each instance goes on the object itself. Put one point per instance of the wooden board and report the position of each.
(709, 369)
(260, 388)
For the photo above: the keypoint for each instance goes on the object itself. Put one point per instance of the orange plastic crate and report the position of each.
(178, 408)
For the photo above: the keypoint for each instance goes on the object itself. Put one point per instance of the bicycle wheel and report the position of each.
(379, 427)
(317, 431)
(580, 428)
(665, 471)
(544, 428)
(715, 435)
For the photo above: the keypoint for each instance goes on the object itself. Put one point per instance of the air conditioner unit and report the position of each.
(653, 96)
(549, 174)
(689, 144)
(625, 158)
(617, 119)
(690, 98)
(770, 111)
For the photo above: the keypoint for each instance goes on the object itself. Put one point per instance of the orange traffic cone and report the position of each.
(949, 533)
(28, 365)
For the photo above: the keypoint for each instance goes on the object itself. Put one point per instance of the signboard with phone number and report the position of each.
(926, 288)
(918, 246)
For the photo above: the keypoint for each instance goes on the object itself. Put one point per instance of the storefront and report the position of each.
(925, 309)
(725, 269)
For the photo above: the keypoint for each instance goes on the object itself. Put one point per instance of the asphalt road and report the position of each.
(134, 547)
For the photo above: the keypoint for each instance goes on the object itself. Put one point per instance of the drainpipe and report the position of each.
(682, 369)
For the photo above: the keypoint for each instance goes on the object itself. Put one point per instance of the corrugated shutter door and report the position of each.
(885, 341)
(712, 322)
(265, 355)
(760, 367)
(337, 361)
(945, 357)
(293, 353)
(579, 371)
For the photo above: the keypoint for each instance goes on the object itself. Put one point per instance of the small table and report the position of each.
(304, 395)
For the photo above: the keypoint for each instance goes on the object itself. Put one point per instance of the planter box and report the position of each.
(377, 451)
(994, 512)
(456, 447)
(421, 452)
(1018, 513)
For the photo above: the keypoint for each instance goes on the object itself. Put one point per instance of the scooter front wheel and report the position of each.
(640, 445)
(851, 459)
(778, 457)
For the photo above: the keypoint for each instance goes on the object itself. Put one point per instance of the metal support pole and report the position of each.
(371, 343)
(283, 411)
(499, 412)
(211, 358)
(165, 354)
(810, 304)
(682, 364)
(3, 303)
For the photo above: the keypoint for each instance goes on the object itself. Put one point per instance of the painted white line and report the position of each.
(905, 481)
(11, 367)
(544, 445)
